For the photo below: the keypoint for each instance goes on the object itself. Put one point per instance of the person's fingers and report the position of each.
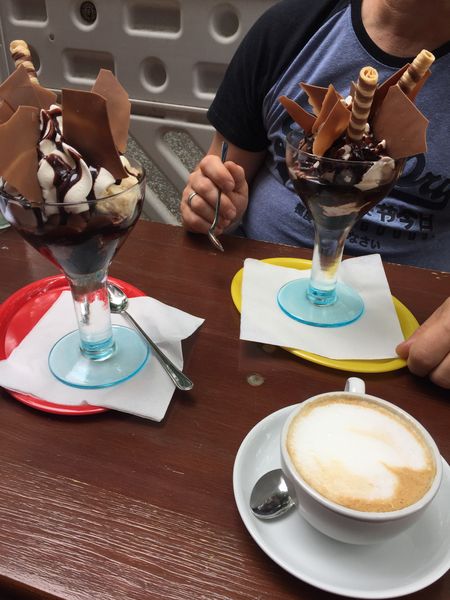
(204, 187)
(205, 203)
(197, 224)
(197, 214)
(238, 174)
(212, 169)
(439, 319)
(239, 195)
(404, 347)
(205, 211)
(429, 345)
(206, 181)
(193, 222)
(441, 374)
(197, 209)
(425, 355)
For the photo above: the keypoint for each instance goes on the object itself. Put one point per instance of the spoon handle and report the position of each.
(180, 380)
(211, 235)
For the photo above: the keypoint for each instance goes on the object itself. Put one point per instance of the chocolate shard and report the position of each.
(5, 111)
(383, 89)
(419, 85)
(330, 99)
(405, 136)
(117, 105)
(86, 128)
(334, 126)
(18, 155)
(316, 95)
(300, 115)
(18, 90)
(46, 97)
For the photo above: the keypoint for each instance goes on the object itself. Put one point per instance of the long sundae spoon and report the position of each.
(211, 235)
(118, 303)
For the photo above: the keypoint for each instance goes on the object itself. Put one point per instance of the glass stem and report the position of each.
(90, 298)
(327, 256)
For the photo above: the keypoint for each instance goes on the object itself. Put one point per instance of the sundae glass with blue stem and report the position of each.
(337, 192)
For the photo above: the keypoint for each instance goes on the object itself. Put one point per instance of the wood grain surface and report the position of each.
(113, 507)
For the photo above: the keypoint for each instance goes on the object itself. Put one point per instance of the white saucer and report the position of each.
(403, 565)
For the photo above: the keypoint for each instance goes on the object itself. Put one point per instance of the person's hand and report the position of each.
(197, 210)
(428, 349)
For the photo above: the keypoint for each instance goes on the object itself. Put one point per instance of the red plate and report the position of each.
(20, 313)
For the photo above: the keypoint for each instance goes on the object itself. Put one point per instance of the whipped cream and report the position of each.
(65, 177)
(379, 173)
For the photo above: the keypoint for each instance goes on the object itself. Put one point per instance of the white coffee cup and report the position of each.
(359, 451)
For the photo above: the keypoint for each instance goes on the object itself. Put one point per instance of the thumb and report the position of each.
(403, 348)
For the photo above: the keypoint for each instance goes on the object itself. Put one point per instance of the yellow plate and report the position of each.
(408, 324)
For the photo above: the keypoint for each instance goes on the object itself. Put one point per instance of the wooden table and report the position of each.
(113, 507)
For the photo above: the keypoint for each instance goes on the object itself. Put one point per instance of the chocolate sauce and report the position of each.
(64, 176)
(333, 191)
(337, 208)
(367, 149)
(82, 243)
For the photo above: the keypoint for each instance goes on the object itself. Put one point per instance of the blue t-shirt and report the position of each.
(412, 224)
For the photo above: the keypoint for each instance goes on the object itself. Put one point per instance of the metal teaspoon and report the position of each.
(270, 497)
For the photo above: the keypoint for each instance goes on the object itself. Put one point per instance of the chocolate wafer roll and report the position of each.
(416, 71)
(362, 101)
(22, 56)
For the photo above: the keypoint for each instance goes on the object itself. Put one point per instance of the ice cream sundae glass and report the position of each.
(336, 193)
(68, 189)
(342, 161)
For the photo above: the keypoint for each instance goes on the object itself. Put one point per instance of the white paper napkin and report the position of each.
(147, 394)
(373, 336)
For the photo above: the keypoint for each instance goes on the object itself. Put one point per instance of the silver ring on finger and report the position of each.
(190, 197)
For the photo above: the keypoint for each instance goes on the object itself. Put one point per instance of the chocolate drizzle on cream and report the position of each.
(63, 174)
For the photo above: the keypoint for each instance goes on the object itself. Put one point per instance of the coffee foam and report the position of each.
(360, 454)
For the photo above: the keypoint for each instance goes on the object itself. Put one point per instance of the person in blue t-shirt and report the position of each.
(324, 42)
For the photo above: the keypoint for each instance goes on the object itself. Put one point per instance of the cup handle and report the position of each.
(355, 385)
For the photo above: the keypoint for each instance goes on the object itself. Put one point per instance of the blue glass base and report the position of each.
(72, 368)
(293, 300)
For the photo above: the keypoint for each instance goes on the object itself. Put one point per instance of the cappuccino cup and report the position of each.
(363, 469)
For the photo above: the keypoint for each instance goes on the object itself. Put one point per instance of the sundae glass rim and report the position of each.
(299, 134)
